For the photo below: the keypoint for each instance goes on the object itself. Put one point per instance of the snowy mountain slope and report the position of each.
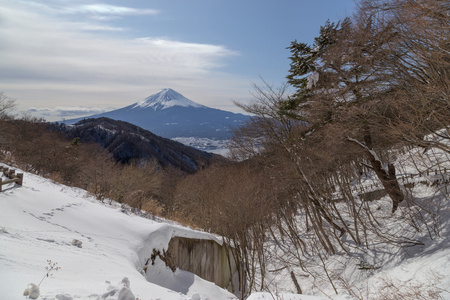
(41, 220)
(169, 114)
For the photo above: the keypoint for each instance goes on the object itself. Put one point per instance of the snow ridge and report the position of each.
(166, 98)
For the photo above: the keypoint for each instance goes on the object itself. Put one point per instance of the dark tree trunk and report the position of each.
(388, 180)
(297, 286)
(387, 177)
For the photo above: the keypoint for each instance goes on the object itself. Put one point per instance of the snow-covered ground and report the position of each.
(43, 221)
(406, 254)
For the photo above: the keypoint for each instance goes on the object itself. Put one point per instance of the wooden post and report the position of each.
(20, 177)
(11, 173)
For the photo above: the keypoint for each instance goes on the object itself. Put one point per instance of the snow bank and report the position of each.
(40, 220)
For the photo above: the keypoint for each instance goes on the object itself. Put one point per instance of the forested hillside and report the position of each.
(127, 143)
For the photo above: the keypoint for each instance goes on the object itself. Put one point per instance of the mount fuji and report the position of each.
(171, 115)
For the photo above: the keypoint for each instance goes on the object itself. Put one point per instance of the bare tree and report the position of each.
(359, 98)
(422, 75)
(7, 104)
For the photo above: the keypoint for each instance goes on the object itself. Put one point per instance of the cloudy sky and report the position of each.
(67, 58)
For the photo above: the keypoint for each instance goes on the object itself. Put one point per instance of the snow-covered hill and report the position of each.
(99, 247)
(169, 114)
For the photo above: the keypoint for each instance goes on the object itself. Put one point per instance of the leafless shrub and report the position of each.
(84, 165)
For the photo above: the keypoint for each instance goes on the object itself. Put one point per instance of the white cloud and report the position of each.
(44, 56)
(35, 43)
(65, 112)
(107, 9)
(56, 7)
(96, 27)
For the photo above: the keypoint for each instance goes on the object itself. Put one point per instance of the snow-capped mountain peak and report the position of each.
(164, 99)
(169, 114)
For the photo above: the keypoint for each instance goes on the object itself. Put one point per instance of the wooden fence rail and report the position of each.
(13, 177)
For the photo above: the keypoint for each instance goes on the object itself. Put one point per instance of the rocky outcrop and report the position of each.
(205, 258)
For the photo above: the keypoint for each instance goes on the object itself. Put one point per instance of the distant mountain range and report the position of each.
(127, 142)
(169, 114)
